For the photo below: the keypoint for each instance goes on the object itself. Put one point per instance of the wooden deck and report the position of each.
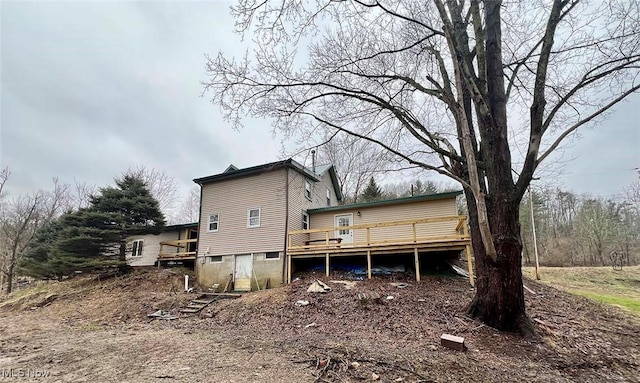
(381, 238)
(180, 251)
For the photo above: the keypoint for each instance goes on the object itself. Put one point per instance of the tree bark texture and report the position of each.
(10, 273)
(499, 299)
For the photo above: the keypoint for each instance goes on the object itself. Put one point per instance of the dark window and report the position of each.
(307, 189)
(272, 255)
(136, 250)
(215, 259)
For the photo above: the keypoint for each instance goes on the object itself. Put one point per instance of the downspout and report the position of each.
(286, 226)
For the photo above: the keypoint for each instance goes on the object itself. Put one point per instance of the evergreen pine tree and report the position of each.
(95, 237)
(372, 192)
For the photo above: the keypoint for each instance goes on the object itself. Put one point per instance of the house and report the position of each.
(261, 223)
(258, 225)
(245, 215)
(176, 243)
(408, 231)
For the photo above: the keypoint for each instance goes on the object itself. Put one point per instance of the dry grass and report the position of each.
(92, 328)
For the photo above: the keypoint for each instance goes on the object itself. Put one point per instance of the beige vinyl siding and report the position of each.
(231, 199)
(320, 192)
(389, 213)
(298, 203)
(150, 248)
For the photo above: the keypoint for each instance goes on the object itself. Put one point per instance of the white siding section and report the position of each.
(231, 199)
(150, 248)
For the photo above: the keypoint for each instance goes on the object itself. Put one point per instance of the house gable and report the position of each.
(246, 213)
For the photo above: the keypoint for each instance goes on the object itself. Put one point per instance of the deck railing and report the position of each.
(180, 244)
(327, 239)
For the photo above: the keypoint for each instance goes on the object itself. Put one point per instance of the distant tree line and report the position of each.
(582, 230)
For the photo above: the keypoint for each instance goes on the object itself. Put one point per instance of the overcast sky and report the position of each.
(89, 89)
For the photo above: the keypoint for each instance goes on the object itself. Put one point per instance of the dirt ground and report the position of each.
(86, 330)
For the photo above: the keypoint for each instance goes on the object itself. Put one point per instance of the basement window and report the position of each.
(215, 259)
(272, 255)
(136, 249)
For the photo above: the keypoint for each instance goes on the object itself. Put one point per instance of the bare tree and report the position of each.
(189, 211)
(18, 227)
(443, 85)
(82, 193)
(4, 176)
(163, 187)
(21, 218)
(356, 161)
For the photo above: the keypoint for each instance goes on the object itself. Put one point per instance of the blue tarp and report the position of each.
(359, 269)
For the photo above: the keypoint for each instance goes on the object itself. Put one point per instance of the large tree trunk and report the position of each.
(122, 253)
(499, 299)
(123, 266)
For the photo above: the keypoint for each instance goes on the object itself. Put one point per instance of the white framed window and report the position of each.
(305, 221)
(253, 217)
(328, 197)
(272, 255)
(214, 222)
(136, 248)
(215, 259)
(307, 189)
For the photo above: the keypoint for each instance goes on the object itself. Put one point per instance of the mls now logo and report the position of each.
(24, 373)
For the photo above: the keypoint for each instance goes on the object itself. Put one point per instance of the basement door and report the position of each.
(243, 271)
(345, 234)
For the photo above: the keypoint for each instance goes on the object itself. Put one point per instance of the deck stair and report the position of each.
(204, 300)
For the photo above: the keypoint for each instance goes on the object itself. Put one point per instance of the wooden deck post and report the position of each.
(417, 259)
(369, 264)
(469, 265)
(326, 265)
(288, 268)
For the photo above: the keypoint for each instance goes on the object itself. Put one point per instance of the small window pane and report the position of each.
(344, 221)
(215, 259)
(253, 218)
(272, 255)
(305, 221)
(328, 197)
(214, 222)
(307, 189)
(136, 249)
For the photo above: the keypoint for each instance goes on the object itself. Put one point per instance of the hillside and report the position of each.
(87, 330)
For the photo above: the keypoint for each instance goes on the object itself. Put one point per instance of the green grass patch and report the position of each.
(603, 284)
(630, 304)
(92, 327)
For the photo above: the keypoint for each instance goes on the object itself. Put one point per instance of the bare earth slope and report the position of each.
(87, 330)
